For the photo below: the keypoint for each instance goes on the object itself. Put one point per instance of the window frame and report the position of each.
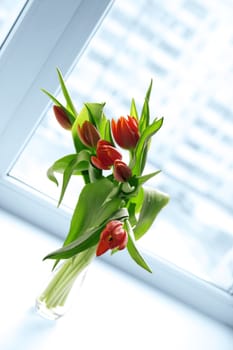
(31, 61)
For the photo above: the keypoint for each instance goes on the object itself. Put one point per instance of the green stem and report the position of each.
(60, 286)
(86, 177)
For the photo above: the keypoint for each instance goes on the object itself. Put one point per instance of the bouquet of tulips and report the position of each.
(114, 208)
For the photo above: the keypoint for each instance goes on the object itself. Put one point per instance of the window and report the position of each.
(9, 11)
(183, 48)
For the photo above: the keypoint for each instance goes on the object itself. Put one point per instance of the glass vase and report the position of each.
(64, 285)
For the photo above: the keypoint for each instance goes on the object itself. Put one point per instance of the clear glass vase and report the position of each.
(63, 285)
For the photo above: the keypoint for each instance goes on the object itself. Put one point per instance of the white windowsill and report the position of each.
(114, 310)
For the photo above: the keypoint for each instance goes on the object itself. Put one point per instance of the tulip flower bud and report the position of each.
(113, 236)
(88, 134)
(106, 154)
(121, 171)
(62, 117)
(126, 132)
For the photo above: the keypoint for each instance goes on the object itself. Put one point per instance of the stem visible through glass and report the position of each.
(53, 299)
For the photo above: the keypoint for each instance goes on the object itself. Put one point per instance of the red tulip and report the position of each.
(88, 134)
(121, 171)
(62, 117)
(106, 155)
(126, 132)
(113, 236)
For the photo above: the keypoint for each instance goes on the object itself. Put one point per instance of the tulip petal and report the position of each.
(125, 132)
(113, 236)
(123, 243)
(121, 171)
(102, 248)
(62, 117)
(98, 164)
(106, 155)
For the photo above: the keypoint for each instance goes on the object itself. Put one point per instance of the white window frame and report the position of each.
(36, 45)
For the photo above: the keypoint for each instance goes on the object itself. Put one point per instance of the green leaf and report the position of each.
(88, 239)
(133, 252)
(132, 212)
(141, 148)
(52, 98)
(95, 111)
(106, 134)
(133, 109)
(95, 205)
(144, 155)
(138, 199)
(81, 160)
(76, 165)
(134, 205)
(145, 115)
(144, 178)
(148, 93)
(153, 202)
(92, 112)
(82, 116)
(70, 105)
(102, 128)
(98, 118)
(59, 166)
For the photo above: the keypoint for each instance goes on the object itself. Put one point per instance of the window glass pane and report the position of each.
(186, 47)
(9, 11)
